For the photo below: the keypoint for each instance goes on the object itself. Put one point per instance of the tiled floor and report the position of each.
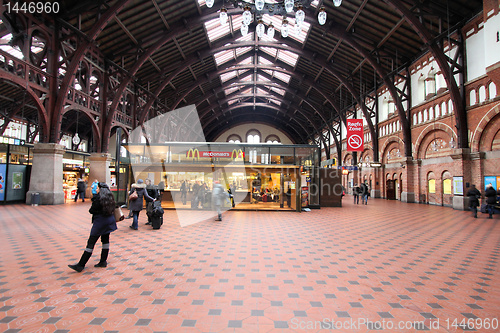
(386, 264)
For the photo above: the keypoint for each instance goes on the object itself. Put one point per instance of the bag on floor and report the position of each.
(118, 214)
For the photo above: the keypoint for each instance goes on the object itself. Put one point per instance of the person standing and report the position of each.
(355, 193)
(218, 194)
(153, 193)
(474, 196)
(94, 187)
(364, 192)
(491, 199)
(136, 205)
(183, 191)
(80, 190)
(103, 223)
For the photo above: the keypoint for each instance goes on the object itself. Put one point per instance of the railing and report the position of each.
(22, 69)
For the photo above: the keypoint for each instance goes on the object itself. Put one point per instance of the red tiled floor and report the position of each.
(253, 272)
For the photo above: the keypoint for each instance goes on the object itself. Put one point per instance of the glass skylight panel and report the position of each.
(261, 91)
(246, 61)
(231, 102)
(288, 57)
(315, 3)
(262, 78)
(228, 76)
(16, 52)
(223, 56)
(247, 78)
(275, 101)
(215, 30)
(247, 91)
(282, 76)
(229, 91)
(241, 50)
(264, 61)
(269, 50)
(278, 91)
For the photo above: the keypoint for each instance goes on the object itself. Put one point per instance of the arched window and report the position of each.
(253, 136)
(444, 108)
(419, 117)
(272, 139)
(415, 119)
(492, 89)
(472, 97)
(482, 94)
(235, 138)
(425, 115)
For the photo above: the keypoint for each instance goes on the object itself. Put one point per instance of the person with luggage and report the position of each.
(136, 205)
(103, 223)
(474, 195)
(153, 193)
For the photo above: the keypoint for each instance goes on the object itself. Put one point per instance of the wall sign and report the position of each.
(354, 134)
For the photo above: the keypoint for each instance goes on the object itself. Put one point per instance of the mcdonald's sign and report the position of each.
(193, 153)
(237, 154)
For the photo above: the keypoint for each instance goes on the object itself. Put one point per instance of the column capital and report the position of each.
(49, 148)
(460, 154)
(100, 157)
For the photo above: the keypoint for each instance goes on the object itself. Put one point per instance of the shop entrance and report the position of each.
(390, 189)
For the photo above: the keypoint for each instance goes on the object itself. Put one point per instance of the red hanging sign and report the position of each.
(354, 134)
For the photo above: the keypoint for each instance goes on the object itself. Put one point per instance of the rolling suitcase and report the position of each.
(157, 215)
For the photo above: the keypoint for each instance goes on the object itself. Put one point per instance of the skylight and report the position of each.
(215, 30)
(15, 51)
(278, 91)
(287, 57)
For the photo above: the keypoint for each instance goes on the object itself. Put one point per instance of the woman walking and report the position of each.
(136, 205)
(103, 223)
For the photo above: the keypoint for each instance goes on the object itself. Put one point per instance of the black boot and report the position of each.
(104, 257)
(83, 261)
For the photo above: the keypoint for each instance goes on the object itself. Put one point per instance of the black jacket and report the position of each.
(474, 196)
(80, 186)
(102, 223)
(491, 196)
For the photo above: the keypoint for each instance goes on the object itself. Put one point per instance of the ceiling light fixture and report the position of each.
(253, 10)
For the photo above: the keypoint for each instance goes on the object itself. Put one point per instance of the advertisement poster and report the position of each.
(305, 196)
(458, 185)
(17, 180)
(490, 180)
(2, 181)
(354, 134)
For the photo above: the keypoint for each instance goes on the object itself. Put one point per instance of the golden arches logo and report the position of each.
(237, 154)
(193, 153)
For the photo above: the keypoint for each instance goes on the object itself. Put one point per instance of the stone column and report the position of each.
(462, 161)
(99, 168)
(47, 174)
(409, 189)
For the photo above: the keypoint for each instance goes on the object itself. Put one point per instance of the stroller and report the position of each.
(156, 215)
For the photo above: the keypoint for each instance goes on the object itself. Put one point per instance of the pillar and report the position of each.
(99, 168)
(47, 174)
(409, 187)
(463, 167)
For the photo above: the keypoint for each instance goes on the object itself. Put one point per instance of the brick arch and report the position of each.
(390, 140)
(368, 151)
(431, 128)
(488, 123)
(347, 156)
